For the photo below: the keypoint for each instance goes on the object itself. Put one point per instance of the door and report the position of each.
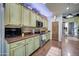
(7, 14)
(15, 14)
(18, 51)
(48, 36)
(25, 16)
(71, 28)
(33, 19)
(36, 42)
(29, 47)
(55, 31)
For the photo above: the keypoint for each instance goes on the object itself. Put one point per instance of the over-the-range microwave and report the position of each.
(39, 24)
(12, 32)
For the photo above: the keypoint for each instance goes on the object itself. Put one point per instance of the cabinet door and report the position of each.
(18, 51)
(47, 36)
(36, 42)
(7, 14)
(37, 17)
(15, 14)
(25, 16)
(77, 20)
(46, 24)
(43, 22)
(33, 19)
(29, 47)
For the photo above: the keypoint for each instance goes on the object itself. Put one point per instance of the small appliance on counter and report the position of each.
(12, 32)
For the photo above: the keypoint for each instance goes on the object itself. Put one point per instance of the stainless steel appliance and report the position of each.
(39, 24)
(42, 39)
(12, 32)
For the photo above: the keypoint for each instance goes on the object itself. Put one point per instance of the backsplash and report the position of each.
(26, 30)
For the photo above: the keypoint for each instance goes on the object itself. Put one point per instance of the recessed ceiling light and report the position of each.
(67, 8)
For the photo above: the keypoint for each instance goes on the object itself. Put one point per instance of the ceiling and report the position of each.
(39, 8)
(61, 8)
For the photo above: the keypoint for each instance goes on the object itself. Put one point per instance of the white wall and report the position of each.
(59, 19)
(75, 24)
(2, 40)
(75, 28)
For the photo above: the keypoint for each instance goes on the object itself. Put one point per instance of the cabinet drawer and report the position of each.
(29, 39)
(36, 37)
(19, 43)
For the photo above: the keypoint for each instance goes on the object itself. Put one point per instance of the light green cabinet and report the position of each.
(45, 23)
(7, 14)
(37, 17)
(24, 47)
(18, 51)
(25, 16)
(77, 20)
(33, 19)
(14, 14)
(17, 48)
(32, 44)
(29, 46)
(36, 42)
(48, 36)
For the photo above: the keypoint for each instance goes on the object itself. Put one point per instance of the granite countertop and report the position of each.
(19, 38)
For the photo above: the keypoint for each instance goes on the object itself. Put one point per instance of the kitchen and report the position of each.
(25, 33)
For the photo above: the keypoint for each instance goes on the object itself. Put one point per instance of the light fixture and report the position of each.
(69, 16)
(67, 8)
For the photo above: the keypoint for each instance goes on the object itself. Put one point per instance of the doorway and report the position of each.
(71, 29)
(55, 31)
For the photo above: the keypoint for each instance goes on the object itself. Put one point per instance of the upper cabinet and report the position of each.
(33, 19)
(45, 23)
(25, 16)
(77, 20)
(13, 14)
(7, 14)
(16, 14)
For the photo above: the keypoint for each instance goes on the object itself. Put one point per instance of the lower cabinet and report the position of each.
(36, 43)
(32, 44)
(18, 51)
(29, 47)
(25, 47)
(48, 36)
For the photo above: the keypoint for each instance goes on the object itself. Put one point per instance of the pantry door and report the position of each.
(55, 31)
